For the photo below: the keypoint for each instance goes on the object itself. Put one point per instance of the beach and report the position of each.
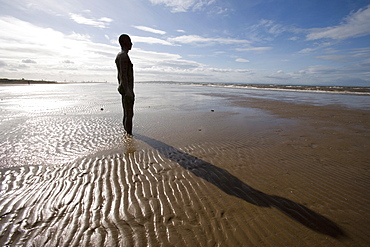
(206, 166)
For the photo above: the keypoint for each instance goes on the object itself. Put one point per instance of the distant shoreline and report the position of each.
(303, 88)
(6, 81)
(360, 90)
(25, 81)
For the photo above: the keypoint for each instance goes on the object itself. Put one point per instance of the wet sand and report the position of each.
(237, 171)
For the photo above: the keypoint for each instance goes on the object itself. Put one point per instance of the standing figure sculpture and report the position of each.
(126, 81)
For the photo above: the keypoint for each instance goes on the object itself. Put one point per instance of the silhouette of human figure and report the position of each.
(126, 81)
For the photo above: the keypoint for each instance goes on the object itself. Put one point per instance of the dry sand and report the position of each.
(267, 173)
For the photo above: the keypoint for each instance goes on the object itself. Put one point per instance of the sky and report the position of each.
(305, 42)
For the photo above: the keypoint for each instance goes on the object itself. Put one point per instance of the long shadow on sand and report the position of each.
(235, 187)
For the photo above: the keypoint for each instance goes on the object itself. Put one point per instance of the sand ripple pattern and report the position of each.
(58, 140)
(165, 196)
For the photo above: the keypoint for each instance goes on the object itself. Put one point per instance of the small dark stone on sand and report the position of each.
(102, 109)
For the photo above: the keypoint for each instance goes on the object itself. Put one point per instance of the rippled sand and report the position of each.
(251, 172)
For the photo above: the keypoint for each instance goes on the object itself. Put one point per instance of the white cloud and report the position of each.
(335, 58)
(149, 29)
(46, 6)
(221, 11)
(267, 30)
(258, 49)
(68, 61)
(308, 50)
(149, 40)
(101, 22)
(195, 39)
(271, 27)
(2, 64)
(184, 5)
(242, 60)
(105, 19)
(361, 52)
(50, 50)
(144, 58)
(28, 61)
(151, 65)
(318, 46)
(354, 25)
